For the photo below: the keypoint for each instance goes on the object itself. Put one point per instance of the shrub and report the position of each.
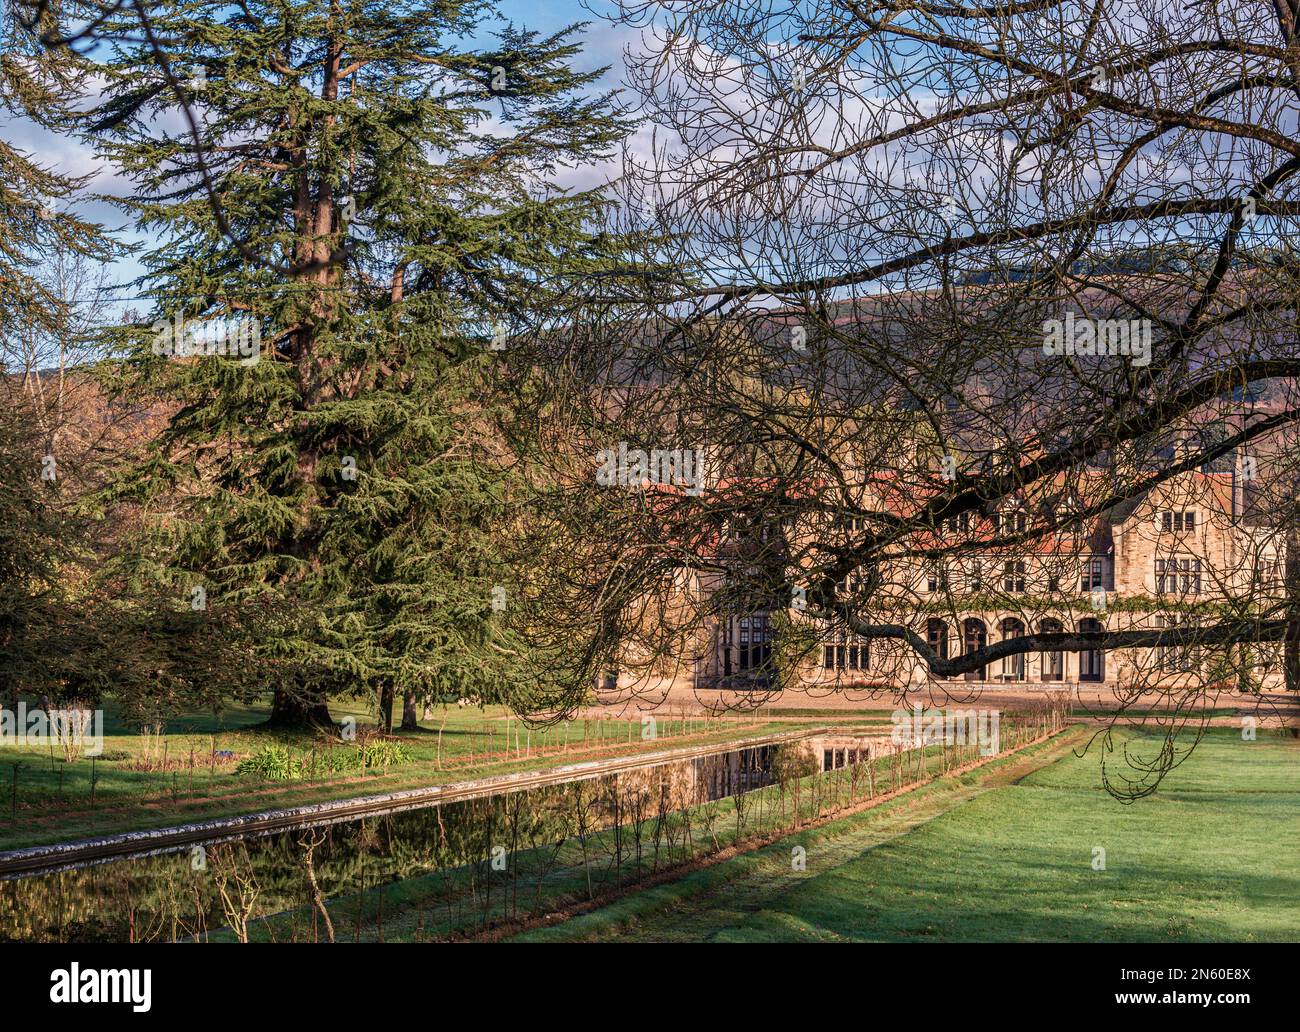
(277, 763)
(380, 753)
(271, 763)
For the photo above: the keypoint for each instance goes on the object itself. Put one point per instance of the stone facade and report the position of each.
(1165, 560)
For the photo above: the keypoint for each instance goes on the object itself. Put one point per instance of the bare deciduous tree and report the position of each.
(967, 296)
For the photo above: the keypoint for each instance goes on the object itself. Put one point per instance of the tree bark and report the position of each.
(294, 708)
(386, 707)
(410, 719)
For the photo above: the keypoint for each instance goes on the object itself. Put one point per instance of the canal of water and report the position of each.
(466, 863)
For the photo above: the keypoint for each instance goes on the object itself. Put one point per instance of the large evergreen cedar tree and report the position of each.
(374, 187)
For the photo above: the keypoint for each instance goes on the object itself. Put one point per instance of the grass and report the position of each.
(151, 781)
(1006, 853)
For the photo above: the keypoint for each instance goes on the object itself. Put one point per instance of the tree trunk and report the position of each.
(410, 720)
(296, 708)
(386, 707)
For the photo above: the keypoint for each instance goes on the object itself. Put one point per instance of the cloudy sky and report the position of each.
(603, 45)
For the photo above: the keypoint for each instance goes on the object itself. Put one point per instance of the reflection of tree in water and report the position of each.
(164, 897)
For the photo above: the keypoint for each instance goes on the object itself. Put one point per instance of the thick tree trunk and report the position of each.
(386, 707)
(298, 709)
(410, 719)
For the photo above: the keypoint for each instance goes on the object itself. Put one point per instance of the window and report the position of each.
(1053, 582)
(1184, 658)
(1269, 572)
(1013, 576)
(1092, 663)
(1162, 455)
(1178, 575)
(936, 636)
(975, 576)
(936, 577)
(1012, 522)
(958, 524)
(976, 637)
(1013, 666)
(750, 530)
(1052, 664)
(837, 759)
(755, 642)
(1092, 574)
(852, 584)
(1177, 522)
(851, 652)
(852, 524)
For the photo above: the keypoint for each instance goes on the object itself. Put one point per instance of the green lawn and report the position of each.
(1007, 854)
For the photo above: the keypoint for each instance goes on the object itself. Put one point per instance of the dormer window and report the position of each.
(1177, 522)
(1010, 522)
(852, 524)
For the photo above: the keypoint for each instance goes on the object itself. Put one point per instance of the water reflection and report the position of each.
(464, 864)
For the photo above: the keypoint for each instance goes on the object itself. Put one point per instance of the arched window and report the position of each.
(976, 638)
(936, 636)
(1092, 664)
(1052, 664)
(1013, 666)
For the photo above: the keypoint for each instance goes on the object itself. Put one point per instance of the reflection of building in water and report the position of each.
(833, 752)
(726, 774)
(745, 769)
(706, 778)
